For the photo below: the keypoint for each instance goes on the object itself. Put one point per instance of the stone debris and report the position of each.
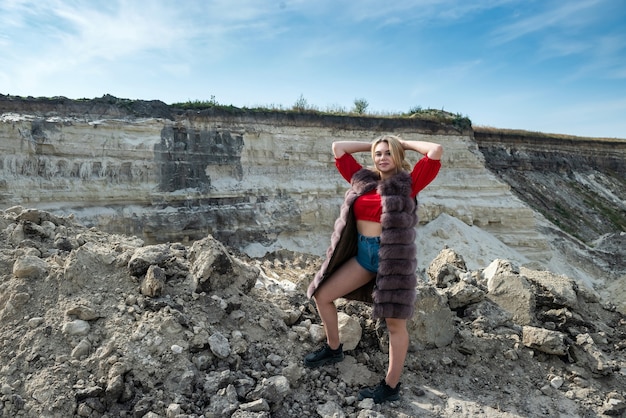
(100, 325)
(153, 282)
(544, 340)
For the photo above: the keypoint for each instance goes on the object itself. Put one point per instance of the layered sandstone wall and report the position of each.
(256, 181)
(540, 152)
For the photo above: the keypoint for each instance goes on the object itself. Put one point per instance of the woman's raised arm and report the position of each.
(349, 147)
(430, 149)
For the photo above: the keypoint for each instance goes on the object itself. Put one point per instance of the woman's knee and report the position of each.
(321, 298)
(395, 325)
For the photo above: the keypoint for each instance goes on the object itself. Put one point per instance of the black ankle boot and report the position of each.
(382, 392)
(324, 355)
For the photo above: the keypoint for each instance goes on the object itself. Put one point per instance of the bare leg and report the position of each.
(398, 347)
(348, 277)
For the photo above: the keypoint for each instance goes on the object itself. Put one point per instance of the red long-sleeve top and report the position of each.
(368, 207)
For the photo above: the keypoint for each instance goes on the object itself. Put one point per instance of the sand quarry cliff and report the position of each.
(154, 263)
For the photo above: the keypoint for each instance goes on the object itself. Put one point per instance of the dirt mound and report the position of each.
(100, 107)
(101, 325)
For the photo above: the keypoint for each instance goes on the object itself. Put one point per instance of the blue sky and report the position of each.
(554, 66)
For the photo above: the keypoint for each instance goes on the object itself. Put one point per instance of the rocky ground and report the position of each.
(100, 325)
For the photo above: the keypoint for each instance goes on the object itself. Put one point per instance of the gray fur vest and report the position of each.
(393, 292)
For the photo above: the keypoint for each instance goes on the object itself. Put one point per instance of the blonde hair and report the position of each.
(395, 149)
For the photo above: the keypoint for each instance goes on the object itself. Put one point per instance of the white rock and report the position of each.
(219, 345)
(35, 322)
(82, 349)
(556, 382)
(541, 339)
(30, 266)
(76, 327)
(330, 410)
(173, 410)
(349, 331)
(317, 333)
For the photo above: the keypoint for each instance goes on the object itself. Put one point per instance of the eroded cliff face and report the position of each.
(577, 183)
(255, 181)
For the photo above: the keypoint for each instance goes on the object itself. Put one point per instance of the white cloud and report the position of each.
(411, 11)
(110, 34)
(563, 15)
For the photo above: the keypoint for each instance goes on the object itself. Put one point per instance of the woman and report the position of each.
(372, 256)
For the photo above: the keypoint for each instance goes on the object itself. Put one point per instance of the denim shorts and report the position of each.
(367, 255)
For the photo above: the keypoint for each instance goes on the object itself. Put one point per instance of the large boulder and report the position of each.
(433, 322)
(213, 268)
(446, 268)
(513, 293)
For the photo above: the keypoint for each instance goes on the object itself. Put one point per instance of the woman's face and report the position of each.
(382, 159)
